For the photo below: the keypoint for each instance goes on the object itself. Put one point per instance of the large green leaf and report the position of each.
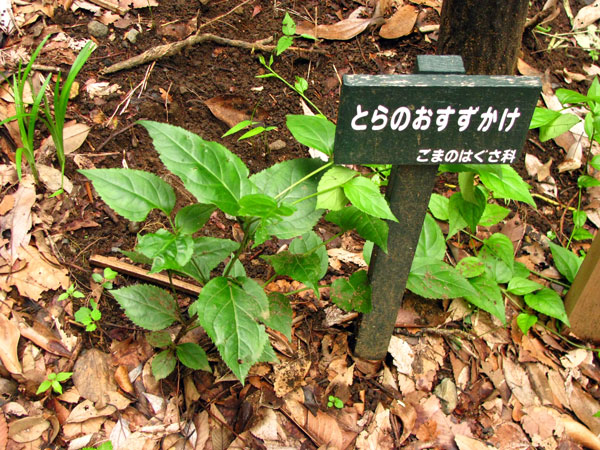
(369, 227)
(488, 297)
(276, 179)
(302, 267)
(265, 206)
(280, 314)
(132, 193)
(208, 252)
(313, 131)
(229, 311)
(431, 278)
(522, 286)
(470, 211)
(193, 217)
(508, 184)
(439, 206)
(147, 306)
(167, 250)
(193, 356)
(493, 214)
(365, 195)
(497, 254)
(309, 242)
(431, 241)
(163, 364)
(566, 261)
(542, 116)
(558, 126)
(547, 301)
(566, 96)
(208, 170)
(330, 197)
(353, 294)
(470, 267)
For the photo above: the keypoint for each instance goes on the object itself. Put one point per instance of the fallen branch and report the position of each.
(163, 51)
(134, 271)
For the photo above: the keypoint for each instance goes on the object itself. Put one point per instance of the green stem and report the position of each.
(550, 279)
(314, 194)
(303, 179)
(279, 77)
(574, 226)
(297, 291)
(242, 247)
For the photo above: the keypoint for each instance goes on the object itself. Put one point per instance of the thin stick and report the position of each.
(110, 6)
(134, 271)
(216, 19)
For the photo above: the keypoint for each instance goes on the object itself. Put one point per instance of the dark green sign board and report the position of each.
(434, 119)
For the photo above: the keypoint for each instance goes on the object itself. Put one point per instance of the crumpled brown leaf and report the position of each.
(233, 109)
(9, 339)
(343, 30)
(587, 16)
(401, 23)
(21, 216)
(93, 377)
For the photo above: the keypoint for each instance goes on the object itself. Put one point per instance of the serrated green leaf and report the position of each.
(167, 250)
(521, 270)
(439, 205)
(493, 214)
(431, 278)
(456, 222)
(431, 241)
(283, 43)
(522, 286)
(508, 184)
(265, 206)
(488, 297)
(470, 267)
(542, 116)
(558, 126)
(44, 386)
(566, 96)
(208, 253)
(276, 179)
(470, 212)
(548, 302)
(367, 252)
(229, 311)
(163, 364)
(331, 198)
(193, 217)
(63, 376)
(579, 218)
(313, 131)
(301, 84)
(566, 261)
(581, 234)
(369, 227)
(353, 294)
(147, 306)
(595, 162)
(132, 193)
(525, 322)
(497, 254)
(97, 278)
(207, 169)
(193, 356)
(288, 26)
(365, 195)
(160, 339)
(310, 242)
(594, 90)
(280, 314)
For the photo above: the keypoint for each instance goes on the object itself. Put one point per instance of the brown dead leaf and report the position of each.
(401, 23)
(580, 434)
(93, 377)
(27, 429)
(74, 135)
(40, 335)
(86, 411)
(543, 425)
(8, 174)
(509, 436)
(233, 109)
(518, 382)
(21, 216)
(408, 416)
(587, 16)
(7, 204)
(53, 179)
(584, 406)
(436, 427)
(435, 4)
(290, 375)
(342, 30)
(526, 69)
(9, 340)
(3, 432)
(379, 432)
(322, 428)
(467, 443)
(36, 277)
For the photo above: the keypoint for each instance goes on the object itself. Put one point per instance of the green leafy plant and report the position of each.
(54, 380)
(105, 280)
(285, 201)
(88, 317)
(71, 292)
(332, 400)
(104, 446)
(288, 28)
(55, 119)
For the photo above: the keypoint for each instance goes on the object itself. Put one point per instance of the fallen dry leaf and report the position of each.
(342, 30)
(53, 179)
(580, 433)
(40, 335)
(435, 4)
(93, 377)
(86, 411)
(401, 23)
(584, 406)
(408, 416)
(289, 375)
(27, 429)
(587, 16)
(233, 109)
(36, 277)
(378, 434)
(9, 340)
(8, 174)
(3, 432)
(21, 221)
(467, 443)
(74, 135)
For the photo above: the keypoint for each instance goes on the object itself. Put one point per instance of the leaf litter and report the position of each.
(446, 387)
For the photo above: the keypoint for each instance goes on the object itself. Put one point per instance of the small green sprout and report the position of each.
(89, 317)
(53, 381)
(71, 292)
(106, 278)
(334, 401)
(104, 446)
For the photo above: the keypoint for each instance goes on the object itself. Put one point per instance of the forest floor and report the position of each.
(453, 378)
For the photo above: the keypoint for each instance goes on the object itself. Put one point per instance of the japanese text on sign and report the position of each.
(402, 118)
(441, 156)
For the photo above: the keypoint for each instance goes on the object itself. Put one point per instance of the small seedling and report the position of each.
(53, 381)
(106, 278)
(255, 130)
(334, 401)
(89, 317)
(71, 292)
(104, 446)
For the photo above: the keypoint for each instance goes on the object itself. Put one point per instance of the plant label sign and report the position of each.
(434, 119)
(417, 122)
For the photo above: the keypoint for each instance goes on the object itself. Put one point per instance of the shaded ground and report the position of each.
(452, 379)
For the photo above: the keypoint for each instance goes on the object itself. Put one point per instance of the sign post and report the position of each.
(416, 122)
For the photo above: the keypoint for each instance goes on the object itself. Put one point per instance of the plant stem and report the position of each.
(303, 179)
(279, 77)
(550, 279)
(241, 248)
(297, 291)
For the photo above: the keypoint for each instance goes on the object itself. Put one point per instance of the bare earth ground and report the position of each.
(453, 378)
